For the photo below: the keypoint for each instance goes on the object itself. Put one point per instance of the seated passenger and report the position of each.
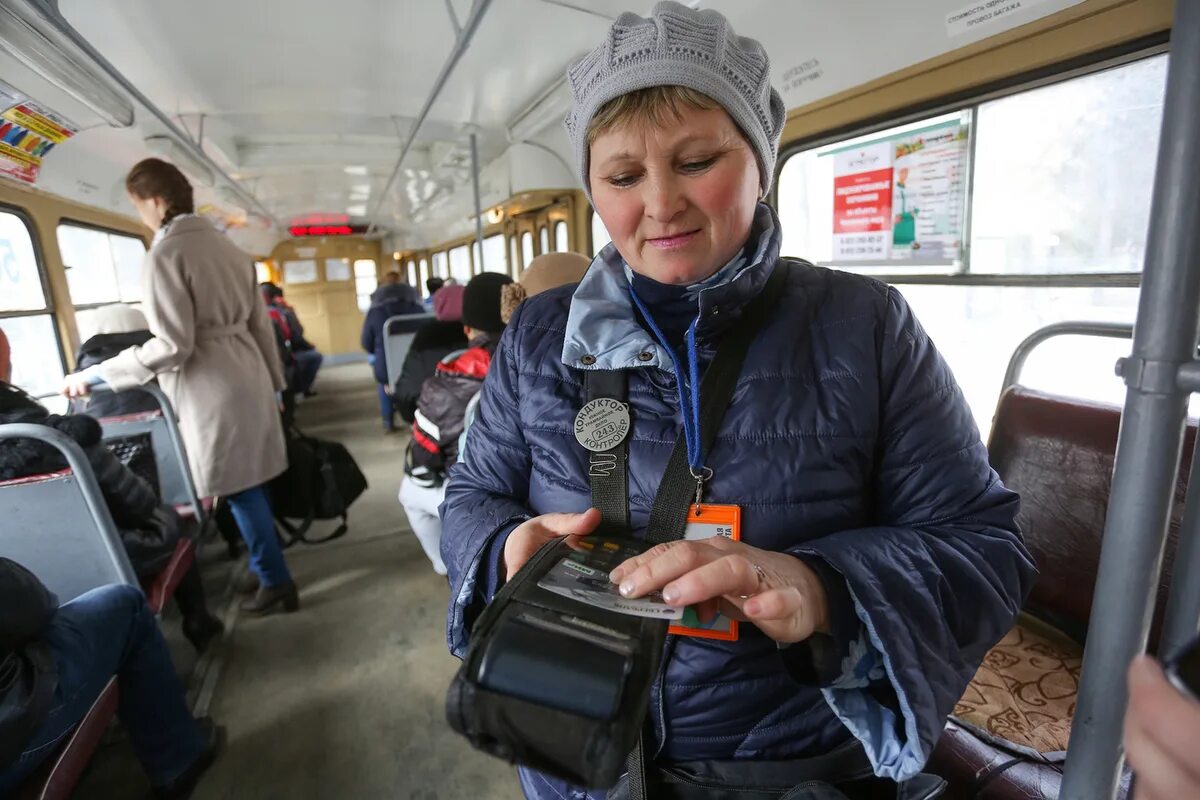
(442, 409)
(54, 662)
(305, 356)
(149, 530)
(393, 298)
(434, 341)
(879, 558)
(118, 326)
(432, 285)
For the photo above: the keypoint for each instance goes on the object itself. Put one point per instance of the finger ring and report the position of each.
(761, 575)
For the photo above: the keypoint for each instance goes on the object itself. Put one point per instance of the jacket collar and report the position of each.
(181, 223)
(602, 328)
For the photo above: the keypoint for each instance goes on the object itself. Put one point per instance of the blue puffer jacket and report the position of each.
(848, 442)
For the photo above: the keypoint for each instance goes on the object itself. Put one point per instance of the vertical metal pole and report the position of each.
(478, 202)
(1151, 436)
(1183, 606)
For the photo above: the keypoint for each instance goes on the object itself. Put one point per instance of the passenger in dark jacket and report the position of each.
(433, 342)
(389, 300)
(443, 408)
(118, 327)
(55, 661)
(879, 558)
(149, 530)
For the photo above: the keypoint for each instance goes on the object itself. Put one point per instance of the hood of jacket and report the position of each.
(397, 293)
(104, 346)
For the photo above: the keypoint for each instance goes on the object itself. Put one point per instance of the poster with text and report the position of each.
(862, 203)
(28, 132)
(928, 193)
(901, 198)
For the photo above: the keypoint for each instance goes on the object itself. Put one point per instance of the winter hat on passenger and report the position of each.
(680, 46)
(448, 303)
(119, 318)
(481, 302)
(545, 272)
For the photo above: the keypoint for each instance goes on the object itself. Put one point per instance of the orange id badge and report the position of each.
(702, 522)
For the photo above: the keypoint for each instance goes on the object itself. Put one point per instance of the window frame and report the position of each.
(970, 102)
(101, 229)
(39, 258)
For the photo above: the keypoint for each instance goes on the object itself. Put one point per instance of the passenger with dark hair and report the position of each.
(389, 300)
(56, 660)
(214, 353)
(149, 530)
(442, 411)
(304, 354)
(434, 341)
(432, 285)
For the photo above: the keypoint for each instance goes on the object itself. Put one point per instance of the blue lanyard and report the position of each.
(689, 388)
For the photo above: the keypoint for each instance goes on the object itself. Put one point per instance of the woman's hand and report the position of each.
(1161, 735)
(76, 386)
(777, 592)
(528, 537)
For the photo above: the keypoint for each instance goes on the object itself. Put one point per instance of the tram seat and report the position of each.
(171, 477)
(1006, 737)
(398, 335)
(56, 778)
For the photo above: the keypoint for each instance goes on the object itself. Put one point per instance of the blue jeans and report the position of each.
(252, 510)
(308, 362)
(386, 409)
(105, 632)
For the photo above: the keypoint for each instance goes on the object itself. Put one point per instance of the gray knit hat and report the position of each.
(680, 46)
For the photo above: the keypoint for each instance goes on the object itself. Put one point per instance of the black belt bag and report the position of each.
(562, 686)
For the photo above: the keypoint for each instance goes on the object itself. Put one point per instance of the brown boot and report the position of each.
(268, 597)
(247, 583)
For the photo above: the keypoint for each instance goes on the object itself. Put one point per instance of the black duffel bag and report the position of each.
(321, 481)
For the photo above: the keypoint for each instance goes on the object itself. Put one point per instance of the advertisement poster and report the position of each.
(901, 198)
(28, 131)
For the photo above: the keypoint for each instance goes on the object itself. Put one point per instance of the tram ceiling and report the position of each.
(291, 85)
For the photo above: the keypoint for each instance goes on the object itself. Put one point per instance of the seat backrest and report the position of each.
(1058, 453)
(398, 335)
(50, 529)
(172, 483)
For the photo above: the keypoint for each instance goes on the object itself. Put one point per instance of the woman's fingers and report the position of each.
(530, 535)
(732, 575)
(671, 563)
(659, 550)
(569, 524)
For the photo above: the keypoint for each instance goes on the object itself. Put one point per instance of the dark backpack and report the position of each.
(321, 481)
(441, 414)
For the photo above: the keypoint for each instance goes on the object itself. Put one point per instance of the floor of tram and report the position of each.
(346, 697)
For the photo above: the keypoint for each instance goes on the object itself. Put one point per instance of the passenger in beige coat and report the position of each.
(215, 356)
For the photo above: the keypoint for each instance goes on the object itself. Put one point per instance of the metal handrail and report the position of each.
(1108, 330)
(93, 496)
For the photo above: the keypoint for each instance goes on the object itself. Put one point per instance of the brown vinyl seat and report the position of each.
(1008, 732)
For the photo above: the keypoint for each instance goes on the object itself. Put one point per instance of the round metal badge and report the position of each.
(602, 424)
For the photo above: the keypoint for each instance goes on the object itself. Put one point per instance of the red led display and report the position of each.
(322, 230)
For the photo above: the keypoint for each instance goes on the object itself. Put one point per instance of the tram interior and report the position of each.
(336, 144)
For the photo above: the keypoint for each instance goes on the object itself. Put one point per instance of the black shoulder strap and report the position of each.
(668, 517)
(607, 470)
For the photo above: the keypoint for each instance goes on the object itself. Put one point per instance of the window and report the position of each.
(414, 277)
(33, 337)
(262, 272)
(1060, 183)
(303, 271)
(424, 275)
(460, 264)
(102, 267)
(439, 265)
(366, 280)
(493, 255)
(1070, 192)
(600, 235)
(544, 238)
(526, 249)
(560, 237)
(337, 270)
